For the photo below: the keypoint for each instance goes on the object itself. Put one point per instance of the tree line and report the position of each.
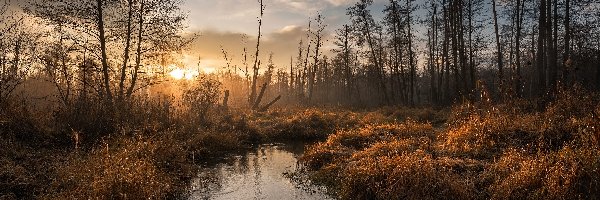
(90, 50)
(434, 52)
(513, 49)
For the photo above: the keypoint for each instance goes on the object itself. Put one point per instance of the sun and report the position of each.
(181, 74)
(177, 74)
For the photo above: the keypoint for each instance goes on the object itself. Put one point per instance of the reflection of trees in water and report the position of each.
(259, 173)
(209, 179)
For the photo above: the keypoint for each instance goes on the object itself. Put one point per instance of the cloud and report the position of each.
(209, 45)
(340, 2)
(283, 43)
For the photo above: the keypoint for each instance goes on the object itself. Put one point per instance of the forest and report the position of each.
(405, 99)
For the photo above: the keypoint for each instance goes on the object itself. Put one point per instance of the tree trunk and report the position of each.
(104, 59)
(260, 96)
(445, 56)
(312, 76)
(553, 37)
(126, 51)
(454, 35)
(567, 47)
(471, 51)
(411, 61)
(266, 107)
(256, 61)
(519, 11)
(498, 49)
(541, 52)
(226, 98)
(138, 58)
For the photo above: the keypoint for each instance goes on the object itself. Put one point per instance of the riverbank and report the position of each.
(148, 151)
(474, 151)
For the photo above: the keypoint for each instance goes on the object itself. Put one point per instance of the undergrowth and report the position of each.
(513, 150)
(149, 148)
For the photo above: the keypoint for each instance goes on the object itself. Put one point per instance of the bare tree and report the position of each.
(318, 41)
(256, 65)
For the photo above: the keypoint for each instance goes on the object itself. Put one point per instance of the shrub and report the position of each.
(367, 157)
(209, 144)
(202, 96)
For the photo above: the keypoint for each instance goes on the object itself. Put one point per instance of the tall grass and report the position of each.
(515, 150)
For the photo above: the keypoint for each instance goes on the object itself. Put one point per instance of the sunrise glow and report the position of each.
(209, 70)
(181, 74)
(190, 74)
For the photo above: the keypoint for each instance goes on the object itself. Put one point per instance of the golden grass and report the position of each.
(127, 171)
(506, 151)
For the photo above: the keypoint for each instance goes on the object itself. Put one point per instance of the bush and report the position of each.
(202, 96)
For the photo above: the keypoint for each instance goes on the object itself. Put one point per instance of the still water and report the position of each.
(262, 173)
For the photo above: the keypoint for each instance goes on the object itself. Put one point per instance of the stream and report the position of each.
(261, 173)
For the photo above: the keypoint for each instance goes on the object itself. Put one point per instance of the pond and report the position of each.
(262, 173)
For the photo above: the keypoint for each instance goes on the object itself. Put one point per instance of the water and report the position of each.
(259, 174)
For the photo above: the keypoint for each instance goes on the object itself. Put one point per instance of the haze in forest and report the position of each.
(316, 99)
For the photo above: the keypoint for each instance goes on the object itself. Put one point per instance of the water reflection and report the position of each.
(258, 174)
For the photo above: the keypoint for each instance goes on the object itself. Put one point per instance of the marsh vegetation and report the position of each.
(426, 100)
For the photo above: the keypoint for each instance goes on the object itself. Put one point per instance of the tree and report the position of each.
(318, 41)
(541, 51)
(97, 26)
(498, 47)
(256, 65)
(17, 44)
(364, 31)
(396, 23)
(344, 50)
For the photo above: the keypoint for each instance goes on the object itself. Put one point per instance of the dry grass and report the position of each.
(149, 149)
(127, 171)
(507, 151)
(566, 174)
(305, 124)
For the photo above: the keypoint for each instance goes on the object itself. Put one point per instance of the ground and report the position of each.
(510, 150)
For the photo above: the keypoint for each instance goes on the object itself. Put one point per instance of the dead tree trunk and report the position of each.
(260, 96)
(266, 107)
(226, 98)
(256, 61)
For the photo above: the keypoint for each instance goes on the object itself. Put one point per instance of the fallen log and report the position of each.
(260, 96)
(266, 107)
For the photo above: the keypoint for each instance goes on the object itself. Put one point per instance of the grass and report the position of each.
(150, 150)
(507, 151)
(146, 150)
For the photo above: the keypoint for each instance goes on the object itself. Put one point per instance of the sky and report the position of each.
(221, 24)
(231, 25)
